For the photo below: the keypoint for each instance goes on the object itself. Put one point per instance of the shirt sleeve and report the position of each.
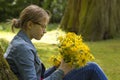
(57, 75)
(49, 71)
(25, 63)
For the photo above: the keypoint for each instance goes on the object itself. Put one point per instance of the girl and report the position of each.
(22, 55)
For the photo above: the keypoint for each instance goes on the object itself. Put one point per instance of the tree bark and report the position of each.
(5, 72)
(93, 19)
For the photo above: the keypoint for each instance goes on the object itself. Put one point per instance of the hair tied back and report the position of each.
(16, 23)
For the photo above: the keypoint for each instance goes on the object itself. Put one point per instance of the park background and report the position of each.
(98, 21)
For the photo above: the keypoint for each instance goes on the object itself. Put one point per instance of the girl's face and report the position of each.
(38, 29)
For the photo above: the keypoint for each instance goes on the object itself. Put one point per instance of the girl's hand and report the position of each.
(65, 67)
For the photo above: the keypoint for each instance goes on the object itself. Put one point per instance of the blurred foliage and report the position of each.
(11, 8)
(4, 44)
(5, 26)
(51, 27)
(56, 7)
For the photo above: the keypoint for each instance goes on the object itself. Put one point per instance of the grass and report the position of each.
(107, 53)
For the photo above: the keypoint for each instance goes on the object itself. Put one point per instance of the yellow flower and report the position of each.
(73, 50)
(56, 60)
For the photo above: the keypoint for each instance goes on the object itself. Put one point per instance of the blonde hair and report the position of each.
(31, 13)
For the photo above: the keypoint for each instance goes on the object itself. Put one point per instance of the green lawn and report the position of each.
(107, 53)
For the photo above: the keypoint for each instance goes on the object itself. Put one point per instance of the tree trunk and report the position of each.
(93, 19)
(5, 72)
(118, 16)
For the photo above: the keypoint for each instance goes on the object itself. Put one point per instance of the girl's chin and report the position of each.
(39, 37)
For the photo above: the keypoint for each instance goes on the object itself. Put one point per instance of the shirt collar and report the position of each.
(24, 36)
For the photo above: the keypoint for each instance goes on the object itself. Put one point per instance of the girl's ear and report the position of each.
(29, 24)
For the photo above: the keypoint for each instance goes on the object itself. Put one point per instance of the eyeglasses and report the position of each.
(42, 25)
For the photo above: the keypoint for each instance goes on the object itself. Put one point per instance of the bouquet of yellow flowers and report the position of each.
(73, 50)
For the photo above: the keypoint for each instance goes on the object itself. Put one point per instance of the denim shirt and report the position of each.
(24, 62)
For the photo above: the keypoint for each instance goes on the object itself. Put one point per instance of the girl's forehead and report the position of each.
(45, 20)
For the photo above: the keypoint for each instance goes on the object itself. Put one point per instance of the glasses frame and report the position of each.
(43, 26)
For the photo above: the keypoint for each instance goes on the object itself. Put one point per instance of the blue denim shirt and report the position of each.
(24, 62)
